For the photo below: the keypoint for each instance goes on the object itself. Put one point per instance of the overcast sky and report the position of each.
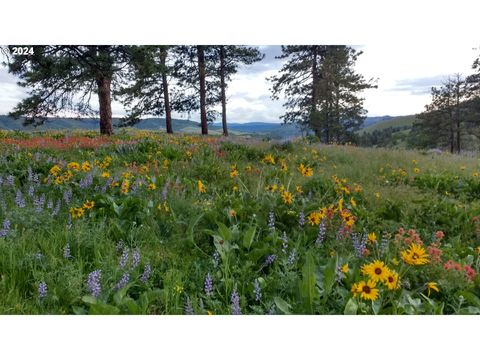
(405, 76)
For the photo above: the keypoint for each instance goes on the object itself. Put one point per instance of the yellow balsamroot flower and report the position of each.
(357, 188)
(74, 166)
(299, 189)
(209, 312)
(415, 255)
(76, 213)
(414, 162)
(377, 195)
(178, 288)
(152, 186)
(55, 170)
(432, 286)
(105, 175)
(143, 169)
(58, 180)
(67, 176)
(315, 217)
(283, 166)
(345, 268)
(89, 204)
(232, 213)
(271, 188)
(125, 186)
(372, 237)
(306, 171)
(340, 205)
(377, 271)
(201, 187)
(287, 197)
(269, 159)
(235, 188)
(392, 281)
(233, 173)
(366, 290)
(165, 164)
(86, 166)
(353, 202)
(416, 170)
(163, 207)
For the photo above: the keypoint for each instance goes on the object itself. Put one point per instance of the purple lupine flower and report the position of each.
(19, 200)
(10, 180)
(147, 270)
(208, 286)
(292, 257)
(31, 191)
(50, 204)
(93, 283)
(165, 191)
(271, 221)
(123, 281)
(57, 208)
(270, 259)
(6, 228)
(36, 180)
(39, 203)
(67, 196)
(189, 307)
(235, 302)
(66, 252)
(124, 258)
(86, 181)
(42, 290)
(216, 258)
(359, 244)
(301, 219)
(1, 180)
(284, 242)
(322, 230)
(30, 174)
(257, 290)
(135, 258)
(383, 244)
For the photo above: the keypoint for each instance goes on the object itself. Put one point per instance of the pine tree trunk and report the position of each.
(457, 115)
(105, 104)
(201, 73)
(222, 88)
(166, 98)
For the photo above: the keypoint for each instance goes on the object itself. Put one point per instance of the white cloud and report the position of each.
(405, 73)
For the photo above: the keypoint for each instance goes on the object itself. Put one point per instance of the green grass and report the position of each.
(396, 122)
(183, 234)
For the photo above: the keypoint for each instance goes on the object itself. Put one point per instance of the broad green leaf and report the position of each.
(224, 232)
(88, 299)
(470, 297)
(248, 237)
(329, 276)
(103, 309)
(308, 289)
(282, 305)
(351, 307)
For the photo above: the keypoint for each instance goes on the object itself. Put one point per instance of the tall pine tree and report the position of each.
(229, 57)
(195, 71)
(321, 90)
(62, 79)
(150, 88)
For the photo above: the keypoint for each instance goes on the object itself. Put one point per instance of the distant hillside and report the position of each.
(390, 122)
(273, 130)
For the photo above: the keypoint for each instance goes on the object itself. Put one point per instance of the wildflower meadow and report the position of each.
(148, 223)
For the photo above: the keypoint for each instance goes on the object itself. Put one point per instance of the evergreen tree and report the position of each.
(150, 87)
(321, 90)
(229, 58)
(63, 79)
(195, 70)
(442, 122)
